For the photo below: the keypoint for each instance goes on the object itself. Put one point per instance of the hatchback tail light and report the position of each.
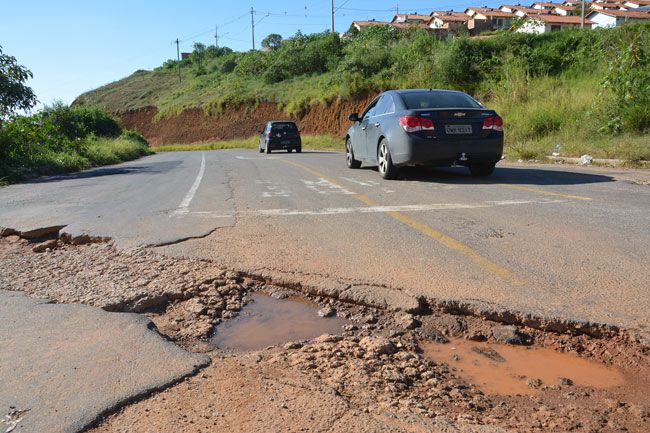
(494, 123)
(416, 123)
(269, 134)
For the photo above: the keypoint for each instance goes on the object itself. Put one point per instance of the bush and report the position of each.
(60, 139)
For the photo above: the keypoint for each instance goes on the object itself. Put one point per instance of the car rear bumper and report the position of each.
(291, 143)
(415, 150)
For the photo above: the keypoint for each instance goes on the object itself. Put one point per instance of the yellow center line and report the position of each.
(541, 191)
(432, 233)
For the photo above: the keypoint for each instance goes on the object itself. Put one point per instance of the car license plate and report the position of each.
(285, 142)
(458, 129)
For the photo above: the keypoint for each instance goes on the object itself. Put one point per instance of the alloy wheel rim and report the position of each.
(348, 153)
(382, 158)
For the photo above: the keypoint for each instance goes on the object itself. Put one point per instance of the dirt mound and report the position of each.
(194, 125)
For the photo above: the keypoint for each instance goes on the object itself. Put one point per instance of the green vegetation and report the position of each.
(588, 90)
(14, 94)
(309, 142)
(62, 139)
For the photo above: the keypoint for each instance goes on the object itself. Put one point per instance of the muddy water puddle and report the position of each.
(511, 370)
(268, 321)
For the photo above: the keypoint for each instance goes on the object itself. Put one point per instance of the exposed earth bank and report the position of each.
(194, 125)
(374, 376)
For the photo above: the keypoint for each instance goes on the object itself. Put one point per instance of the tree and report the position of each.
(272, 41)
(14, 94)
(198, 55)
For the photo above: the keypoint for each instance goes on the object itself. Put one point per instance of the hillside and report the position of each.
(586, 90)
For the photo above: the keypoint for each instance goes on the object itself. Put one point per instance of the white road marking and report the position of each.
(372, 209)
(323, 186)
(361, 182)
(183, 207)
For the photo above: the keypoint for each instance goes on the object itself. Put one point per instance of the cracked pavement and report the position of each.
(557, 242)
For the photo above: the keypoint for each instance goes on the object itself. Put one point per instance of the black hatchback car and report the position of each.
(278, 135)
(425, 127)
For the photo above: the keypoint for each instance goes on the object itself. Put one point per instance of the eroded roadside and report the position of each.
(372, 376)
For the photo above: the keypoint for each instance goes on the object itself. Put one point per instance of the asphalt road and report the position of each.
(554, 241)
(62, 366)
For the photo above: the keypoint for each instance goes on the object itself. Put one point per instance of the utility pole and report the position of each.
(332, 16)
(216, 36)
(582, 15)
(253, 25)
(397, 9)
(178, 59)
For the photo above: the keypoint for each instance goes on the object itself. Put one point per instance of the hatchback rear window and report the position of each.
(284, 127)
(417, 100)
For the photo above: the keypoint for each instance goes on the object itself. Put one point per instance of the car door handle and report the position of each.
(363, 128)
(377, 124)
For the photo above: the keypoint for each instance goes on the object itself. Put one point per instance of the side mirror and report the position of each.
(354, 117)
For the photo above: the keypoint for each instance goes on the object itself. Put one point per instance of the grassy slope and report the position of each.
(97, 152)
(540, 111)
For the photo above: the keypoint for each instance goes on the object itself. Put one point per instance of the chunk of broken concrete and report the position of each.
(508, 334)
(43, 246)
(378, 346)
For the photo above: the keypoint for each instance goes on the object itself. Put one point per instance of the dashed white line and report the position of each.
(371, 209)
(183, 207)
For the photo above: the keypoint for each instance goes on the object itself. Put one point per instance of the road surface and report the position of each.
(554, 241)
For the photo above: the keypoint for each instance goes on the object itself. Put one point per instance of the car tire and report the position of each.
(298, 149)
(349, 155)
(261, 150)
(384, 161)
(268, 149)
(289, 150)
(481, 170)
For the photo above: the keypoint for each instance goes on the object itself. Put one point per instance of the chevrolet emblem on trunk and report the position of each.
(459, 114)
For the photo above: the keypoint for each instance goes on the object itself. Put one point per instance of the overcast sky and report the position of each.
(75, 46)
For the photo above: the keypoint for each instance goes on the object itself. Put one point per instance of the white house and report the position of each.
(608, 6)
(551, 23)
(544, 5)
(612, 18)
(633, 4)
(411, 19)
(449, 20)
(563, 10)
(522, 11)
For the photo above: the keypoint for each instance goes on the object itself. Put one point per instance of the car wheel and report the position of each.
(268, 149)
(385, 162)
(298, 149)
(261, 150)
(481, 170)
(349, 155)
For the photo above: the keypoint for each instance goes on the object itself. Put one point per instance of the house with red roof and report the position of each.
(615, 18)
(551, 23)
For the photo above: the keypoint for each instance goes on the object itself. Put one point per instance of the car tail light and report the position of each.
(494, 123)
(416, 123)
(269, 134)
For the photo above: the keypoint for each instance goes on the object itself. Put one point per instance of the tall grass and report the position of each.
(309, 142)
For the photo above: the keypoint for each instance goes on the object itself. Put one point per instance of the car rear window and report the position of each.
(417, 100)
(284, 127)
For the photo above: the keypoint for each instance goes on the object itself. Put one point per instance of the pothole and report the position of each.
(269, 321)
(501, 369)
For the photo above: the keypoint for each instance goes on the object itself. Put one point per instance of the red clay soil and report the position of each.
(194, 125)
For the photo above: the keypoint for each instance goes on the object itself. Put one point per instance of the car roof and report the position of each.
(406, 91)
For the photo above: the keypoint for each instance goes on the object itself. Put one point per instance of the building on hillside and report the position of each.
(634, 4)
(185, 56)
(551, 23)
(363, 24)
(522, 11)
(411, 19)
(563, 10)
(607, 6)
(487, 19)
(544, 6)
(451, 21)
(612, 18)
